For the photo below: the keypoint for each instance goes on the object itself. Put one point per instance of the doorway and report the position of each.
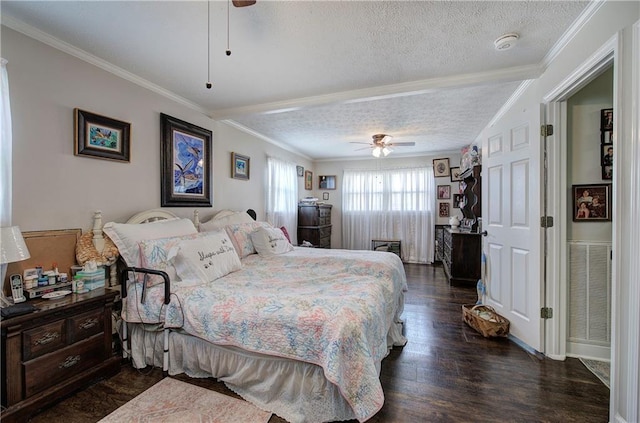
(588, 221)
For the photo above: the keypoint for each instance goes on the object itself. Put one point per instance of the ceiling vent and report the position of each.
(506, 41)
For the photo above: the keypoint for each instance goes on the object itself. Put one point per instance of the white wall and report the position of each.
(53, 189)
(337, 168)
(584, 148)
(614, 18)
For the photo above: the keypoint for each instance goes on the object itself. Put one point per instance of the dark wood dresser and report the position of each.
(461, 256)
(314, 224)
(52, 352)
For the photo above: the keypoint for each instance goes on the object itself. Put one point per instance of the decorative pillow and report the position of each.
(286, 233)
(224, 218)
(158, 254)
(239, 235)
(270, 241)
(126, 236)
(207, 257)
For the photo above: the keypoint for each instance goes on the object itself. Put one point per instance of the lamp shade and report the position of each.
(12, 245)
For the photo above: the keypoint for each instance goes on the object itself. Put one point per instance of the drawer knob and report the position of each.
(46, 338)
(70, 361)
(88, 324)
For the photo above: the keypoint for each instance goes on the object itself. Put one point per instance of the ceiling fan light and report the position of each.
(386, 139)
(386, 151)
(376, 152)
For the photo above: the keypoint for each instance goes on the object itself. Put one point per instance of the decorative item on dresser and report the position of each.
(471, 187)
(314, 224)
(64, 346)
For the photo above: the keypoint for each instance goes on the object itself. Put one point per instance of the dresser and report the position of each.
(461, 256)
(314, 224)
(52, 352)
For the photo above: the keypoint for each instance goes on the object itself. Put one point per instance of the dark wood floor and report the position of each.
(446, 373)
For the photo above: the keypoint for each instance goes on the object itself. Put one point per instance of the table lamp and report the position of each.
(12, 249)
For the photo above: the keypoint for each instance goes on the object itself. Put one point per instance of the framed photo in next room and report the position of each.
(240, 166)
(444, 192)
(443, 209)
(308, 180)
(591, 203)
(327, 181)
(441, 167)
(185, 159)
(101, 137)
(455, 174)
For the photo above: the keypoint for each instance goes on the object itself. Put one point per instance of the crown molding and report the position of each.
(58, 44)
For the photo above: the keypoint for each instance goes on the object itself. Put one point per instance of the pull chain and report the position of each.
(228, 9)
(208, 85)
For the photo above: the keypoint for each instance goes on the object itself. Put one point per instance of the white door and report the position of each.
(511, 211)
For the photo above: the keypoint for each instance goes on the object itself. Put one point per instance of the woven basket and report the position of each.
(485, 320)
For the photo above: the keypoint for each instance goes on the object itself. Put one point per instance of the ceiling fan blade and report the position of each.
(243, 3)
(363, 148)
(358, 142)
(405, 144)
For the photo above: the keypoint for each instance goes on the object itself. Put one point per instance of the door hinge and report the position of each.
(546, 313)
(546, 222)
(546, 130)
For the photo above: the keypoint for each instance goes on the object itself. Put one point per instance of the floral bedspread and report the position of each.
(332, 308)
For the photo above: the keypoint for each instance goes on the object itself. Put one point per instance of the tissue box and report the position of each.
(93, 280)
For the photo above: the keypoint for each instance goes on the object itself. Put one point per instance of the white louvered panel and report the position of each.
(590, 292)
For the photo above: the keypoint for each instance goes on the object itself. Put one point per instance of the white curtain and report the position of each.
(391, 204)
(282, 195)
(5, 155)
(5, 148)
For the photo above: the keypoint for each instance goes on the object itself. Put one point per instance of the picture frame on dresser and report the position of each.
(101, 137)
(185, 158)
(456, 174)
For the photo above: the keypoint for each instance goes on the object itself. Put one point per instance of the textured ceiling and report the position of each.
(317, 75)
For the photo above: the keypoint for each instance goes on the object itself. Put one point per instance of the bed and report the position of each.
(300, 332)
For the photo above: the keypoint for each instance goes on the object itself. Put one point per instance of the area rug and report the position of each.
(598, 368)
(173, 401)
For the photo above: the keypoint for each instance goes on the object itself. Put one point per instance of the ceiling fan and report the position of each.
(382, 143)
(243, 3)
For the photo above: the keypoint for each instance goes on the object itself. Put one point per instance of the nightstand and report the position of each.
(52, 352)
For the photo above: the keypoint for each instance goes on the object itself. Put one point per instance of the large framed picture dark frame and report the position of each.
(185, 157)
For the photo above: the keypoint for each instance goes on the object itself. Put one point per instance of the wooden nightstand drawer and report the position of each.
(52, 368)
(85, 325)
(44, 339)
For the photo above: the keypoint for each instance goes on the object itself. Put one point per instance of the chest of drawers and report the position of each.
(60, 348)
(461, 256)
(314, 224)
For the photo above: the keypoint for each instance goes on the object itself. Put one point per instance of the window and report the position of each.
(282, 195)
(394, 204)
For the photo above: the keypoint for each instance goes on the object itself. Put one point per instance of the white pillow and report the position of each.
(206, 258)
(158, 254)
(270, 241)
(239, 235)
(224, 218)
(127, 236)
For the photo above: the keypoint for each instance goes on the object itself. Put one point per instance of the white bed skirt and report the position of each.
(293, 390)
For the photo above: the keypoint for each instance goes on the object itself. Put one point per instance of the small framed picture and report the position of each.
(308, 180)
(444, 192)
(591, 203)
(606, 137)
(606, 119)
(443, 209)
(327, 181)
(458, 201)
(240, 166)
(325, 196)
(101, 137)
(300, 171)
(455, 174)
(441, 167)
